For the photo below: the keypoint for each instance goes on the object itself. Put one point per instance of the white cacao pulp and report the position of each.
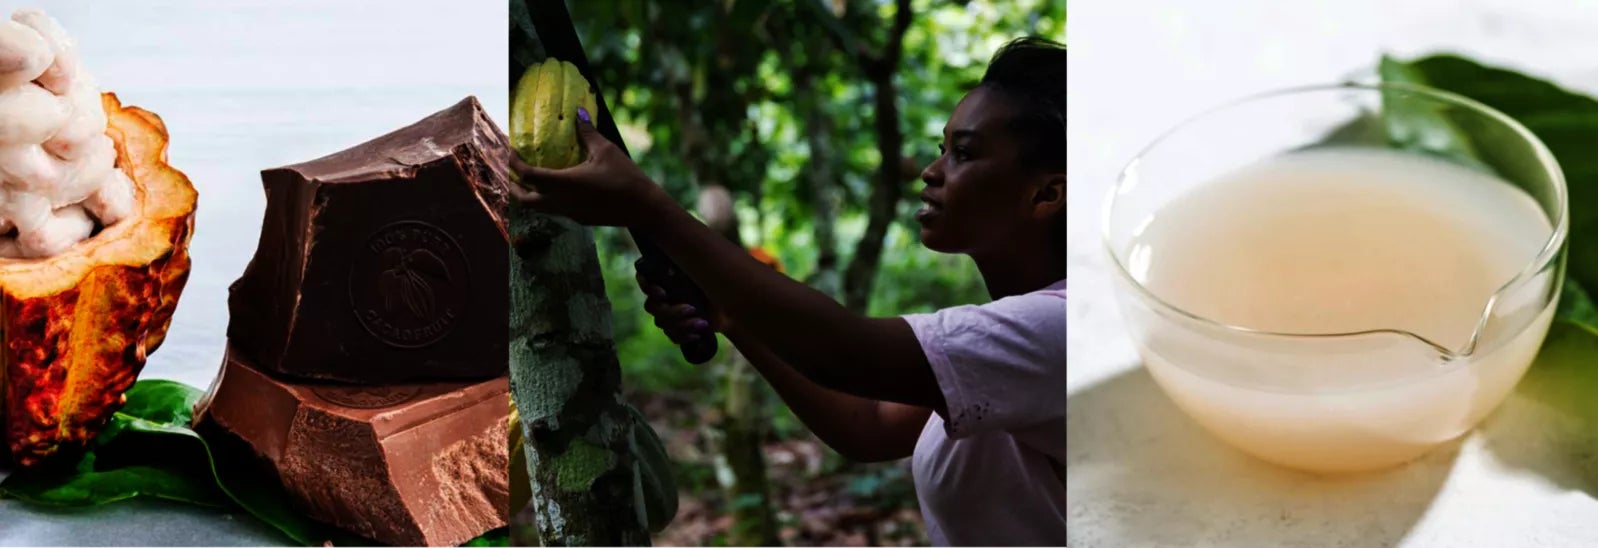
(58, 171)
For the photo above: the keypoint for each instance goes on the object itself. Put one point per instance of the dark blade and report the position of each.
(558, 36)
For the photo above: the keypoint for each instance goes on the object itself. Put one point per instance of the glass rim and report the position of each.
(1550, 251)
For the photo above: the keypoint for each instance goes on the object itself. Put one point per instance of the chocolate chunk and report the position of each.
(386, 262)
(406, 464)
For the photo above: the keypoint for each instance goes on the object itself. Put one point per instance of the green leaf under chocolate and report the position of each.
(497, 537)
(125, 461)
(84, 485)
(149, 450)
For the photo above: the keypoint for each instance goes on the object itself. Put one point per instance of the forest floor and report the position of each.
(819, 499)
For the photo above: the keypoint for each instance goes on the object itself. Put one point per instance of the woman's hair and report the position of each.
(1031, 72)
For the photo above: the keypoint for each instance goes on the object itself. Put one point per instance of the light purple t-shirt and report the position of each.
(992, 472)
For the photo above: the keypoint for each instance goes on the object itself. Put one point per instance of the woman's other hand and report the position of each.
(606, 189)
(681, 322)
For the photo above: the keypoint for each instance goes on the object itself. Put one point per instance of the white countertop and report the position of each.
(1140, 472)
(244, 86)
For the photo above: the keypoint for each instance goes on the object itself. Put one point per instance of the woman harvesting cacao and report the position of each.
(975, 394)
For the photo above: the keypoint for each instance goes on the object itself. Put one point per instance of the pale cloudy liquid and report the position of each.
(1341, 241)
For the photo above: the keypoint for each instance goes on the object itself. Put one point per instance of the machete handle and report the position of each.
(680, 289)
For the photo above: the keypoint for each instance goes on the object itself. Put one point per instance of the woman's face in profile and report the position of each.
(978, 193)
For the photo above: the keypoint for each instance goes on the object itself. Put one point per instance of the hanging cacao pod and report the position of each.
(543, 114)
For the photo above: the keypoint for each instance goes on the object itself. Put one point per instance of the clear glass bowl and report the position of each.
(1349, 401)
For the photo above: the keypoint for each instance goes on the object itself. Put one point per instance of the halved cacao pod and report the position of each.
(75, 328)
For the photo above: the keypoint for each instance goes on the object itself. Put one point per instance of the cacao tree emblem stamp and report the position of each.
(366, 397)
(409, 284)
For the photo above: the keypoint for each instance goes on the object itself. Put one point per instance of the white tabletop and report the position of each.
(243, 86)
(1140, 472)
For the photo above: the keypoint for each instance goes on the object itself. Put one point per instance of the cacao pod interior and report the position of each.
(75, 328)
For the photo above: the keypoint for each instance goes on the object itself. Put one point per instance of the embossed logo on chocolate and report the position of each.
(366, 397)
(409, 283)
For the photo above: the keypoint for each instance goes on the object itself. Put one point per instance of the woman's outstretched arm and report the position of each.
(875, 358)
(860, 429)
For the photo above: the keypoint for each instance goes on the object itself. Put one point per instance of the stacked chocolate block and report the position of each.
(366, 360)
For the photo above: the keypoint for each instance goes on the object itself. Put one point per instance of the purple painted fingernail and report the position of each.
(582, 114)
(700, 324)
(691, 310)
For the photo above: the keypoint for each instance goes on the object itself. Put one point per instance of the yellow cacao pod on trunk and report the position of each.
(543, 114)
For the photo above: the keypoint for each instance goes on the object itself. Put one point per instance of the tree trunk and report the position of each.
(886, 191)
(822, 182)
(887, 188)
(743, 429)
(566, 382)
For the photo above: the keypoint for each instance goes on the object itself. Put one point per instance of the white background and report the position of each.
(244, 86)
(1140, 472)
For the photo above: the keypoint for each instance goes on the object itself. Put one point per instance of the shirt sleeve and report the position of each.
(1001, 366)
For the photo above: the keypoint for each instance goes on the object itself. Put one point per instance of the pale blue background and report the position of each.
(243, 86)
